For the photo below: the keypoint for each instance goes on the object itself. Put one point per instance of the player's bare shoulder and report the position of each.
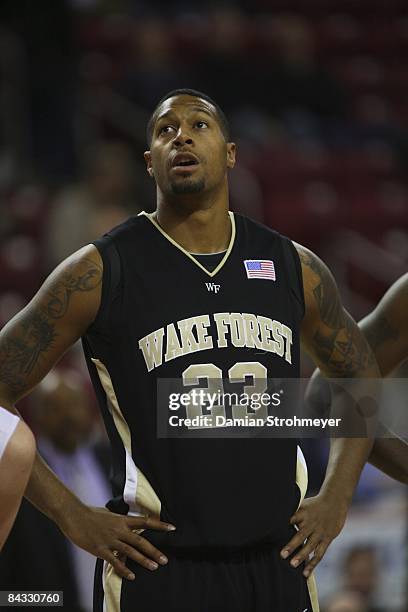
(312, 267)
(75, 282)
(328, 332)
(60, 313)
(319, 287)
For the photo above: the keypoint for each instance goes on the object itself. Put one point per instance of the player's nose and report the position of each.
(183, 137)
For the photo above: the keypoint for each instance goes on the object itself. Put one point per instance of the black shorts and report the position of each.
(253, 580)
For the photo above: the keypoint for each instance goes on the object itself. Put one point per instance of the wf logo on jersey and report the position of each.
(260, 268)
(221, 330)
(213, 287)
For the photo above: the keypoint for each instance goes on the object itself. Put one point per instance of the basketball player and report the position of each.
(17, 452)
(386, 329)
(193, 291)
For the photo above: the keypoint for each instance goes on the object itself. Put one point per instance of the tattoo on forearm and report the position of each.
(337, 343)
(35, 333)
(382, 332)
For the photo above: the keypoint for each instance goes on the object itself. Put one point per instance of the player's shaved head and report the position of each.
(219, 113)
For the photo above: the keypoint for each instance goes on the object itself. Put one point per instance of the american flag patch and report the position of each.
(260, 268)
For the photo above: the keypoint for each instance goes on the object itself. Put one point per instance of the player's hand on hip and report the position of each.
(113, 537)
(319, 520)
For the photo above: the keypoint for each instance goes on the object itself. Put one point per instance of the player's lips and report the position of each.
(185, 161)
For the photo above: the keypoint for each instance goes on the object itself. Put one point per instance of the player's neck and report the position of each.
(198, 230)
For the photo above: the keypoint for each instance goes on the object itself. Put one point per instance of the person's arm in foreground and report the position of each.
(337, 346)
(30, 344)
(386, 330)
(15, 468)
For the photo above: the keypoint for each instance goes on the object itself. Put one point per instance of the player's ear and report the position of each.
(231, 151)
(148, 159)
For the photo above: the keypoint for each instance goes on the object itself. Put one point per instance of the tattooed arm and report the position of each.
(35, 339)
(386, 330)
(339, 349)
(329, 334)
(30, 344)
(56, 317)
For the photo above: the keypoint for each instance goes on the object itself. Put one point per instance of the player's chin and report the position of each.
(185, 185)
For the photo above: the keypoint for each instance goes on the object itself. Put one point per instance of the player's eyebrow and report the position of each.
(164, 115)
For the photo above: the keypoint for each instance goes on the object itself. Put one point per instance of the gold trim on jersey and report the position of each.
(302, 481)
(189, 255)
(145, 498)
(311, 585)
(112, 588)
(301, 474)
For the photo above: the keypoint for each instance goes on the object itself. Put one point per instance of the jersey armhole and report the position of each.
(294, 269)
(111, 277)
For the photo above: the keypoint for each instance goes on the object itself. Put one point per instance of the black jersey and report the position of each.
(164, 314)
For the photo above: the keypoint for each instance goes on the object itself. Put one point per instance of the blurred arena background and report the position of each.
(317, 95)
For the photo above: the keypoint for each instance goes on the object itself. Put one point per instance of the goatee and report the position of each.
(188, 186)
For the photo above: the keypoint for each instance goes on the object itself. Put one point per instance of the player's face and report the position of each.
(188, 152)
